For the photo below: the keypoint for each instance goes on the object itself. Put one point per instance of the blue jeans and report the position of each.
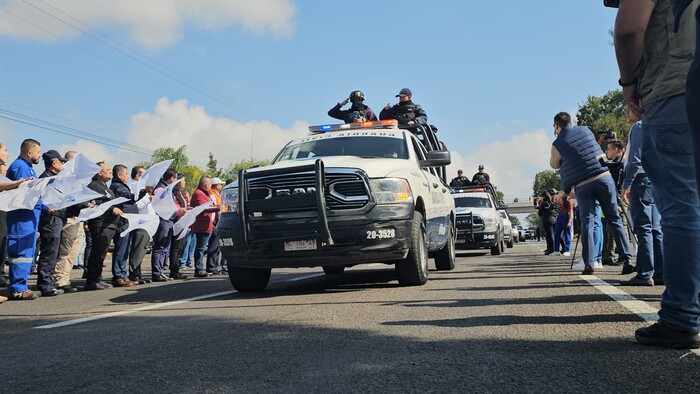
(120, 255)
(692, 99)
(603, 191)
(202, 245)
(667, 157)
(188, 248)
(598, 232)
(562, 229)
(647, 228)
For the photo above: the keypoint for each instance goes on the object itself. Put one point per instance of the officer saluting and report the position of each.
(405, 112)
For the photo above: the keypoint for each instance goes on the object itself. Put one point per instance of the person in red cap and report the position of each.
(405, 112)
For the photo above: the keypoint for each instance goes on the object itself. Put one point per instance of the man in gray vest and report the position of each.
(654, 62)
(577, 154)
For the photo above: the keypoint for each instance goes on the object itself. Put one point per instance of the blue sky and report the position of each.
(490, 74)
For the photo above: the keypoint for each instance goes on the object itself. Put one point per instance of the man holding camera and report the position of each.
(577, 154)
(358, 112)
(654, 61)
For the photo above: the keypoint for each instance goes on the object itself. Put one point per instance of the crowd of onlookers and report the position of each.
(54, 243)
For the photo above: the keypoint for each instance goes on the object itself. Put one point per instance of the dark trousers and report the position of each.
(120, 255)
(49, 244)
(213, 253)
(100, 238)
(175, 247)
(161, 247)
(201, 248)
(692, 101)
(548, 224)
(138, 247)
(3, 242)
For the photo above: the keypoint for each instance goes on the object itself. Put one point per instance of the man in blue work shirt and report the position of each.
(22, 225)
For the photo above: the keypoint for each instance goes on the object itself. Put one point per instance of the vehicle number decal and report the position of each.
(226, 242)
(489, 236)
(381, 234)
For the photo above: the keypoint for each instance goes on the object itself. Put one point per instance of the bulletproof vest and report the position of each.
(480, 178)
(405, 113)
(667, 55)
(579, 156)
(547, 209)
(355, 112)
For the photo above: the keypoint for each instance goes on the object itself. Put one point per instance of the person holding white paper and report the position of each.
(164, 235)
(101, 228)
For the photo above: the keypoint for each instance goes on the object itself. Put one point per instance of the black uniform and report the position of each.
(50, 228)
(481, 178)
(459, 181)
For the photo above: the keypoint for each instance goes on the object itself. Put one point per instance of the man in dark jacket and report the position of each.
(119, 187)
(102, 229)
(405, 112)
(50, 228)
(358, 112)
(481, 177)
(162, 239)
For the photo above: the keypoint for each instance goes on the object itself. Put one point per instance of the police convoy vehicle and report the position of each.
(479, 224)
(346, 194)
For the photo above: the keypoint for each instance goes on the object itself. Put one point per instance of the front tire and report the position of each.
(496, 249)
(510, 243)
(445, 257)
(249, 279)
(413, 270)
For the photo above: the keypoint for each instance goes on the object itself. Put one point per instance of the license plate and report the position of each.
(306, 244)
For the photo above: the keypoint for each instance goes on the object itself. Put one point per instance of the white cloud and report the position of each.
(173, 124)
(512, 165)
(98, 152)
(152, 24)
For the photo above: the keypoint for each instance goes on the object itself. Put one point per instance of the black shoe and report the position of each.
(612, 262)
(214, 272)
(660, 334)
(3, 282)
(628, 268)
(588, 270)
(202, 274)
(51, 292)
(659, 281)
(68, 289)
(160, 278)
(141, 280)
(178, 275)
(637, 281)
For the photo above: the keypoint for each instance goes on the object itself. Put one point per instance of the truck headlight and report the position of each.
(391, 191)
(229, 200)
(490, 223)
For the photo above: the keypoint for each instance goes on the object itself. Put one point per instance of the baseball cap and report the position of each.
(459, 171)
(216, 181)
(52, 154)
(405, 92)
(481, 166)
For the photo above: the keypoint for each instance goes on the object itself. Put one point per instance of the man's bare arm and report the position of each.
(555, 158)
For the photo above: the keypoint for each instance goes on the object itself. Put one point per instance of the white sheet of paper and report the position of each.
(163, 202)
(24, 197)
(146, 222)
(153, 174)
(91, 213)
(80, 167)
(188, 219)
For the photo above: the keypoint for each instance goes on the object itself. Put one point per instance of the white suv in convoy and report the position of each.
(479, 225)
(344, 195)
(507, 228)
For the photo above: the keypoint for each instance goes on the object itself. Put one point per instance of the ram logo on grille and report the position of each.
(295, 191)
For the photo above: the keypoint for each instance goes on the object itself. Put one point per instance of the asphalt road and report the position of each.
(519, 322)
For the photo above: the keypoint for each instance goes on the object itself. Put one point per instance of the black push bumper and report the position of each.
(476, 240)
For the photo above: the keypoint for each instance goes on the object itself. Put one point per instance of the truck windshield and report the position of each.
(472, 202)
(372, 147)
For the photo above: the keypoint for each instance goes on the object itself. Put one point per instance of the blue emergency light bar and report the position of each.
(384, 124)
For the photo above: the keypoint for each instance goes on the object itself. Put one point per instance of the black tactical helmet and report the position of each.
(357, 96)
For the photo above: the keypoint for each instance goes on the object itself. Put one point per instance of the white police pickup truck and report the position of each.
(346, 194)
(479, 224)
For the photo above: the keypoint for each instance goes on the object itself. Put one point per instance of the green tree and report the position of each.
(534, 220)
(499, 194)
(544, 180)
(212, 167)
(180, 164)
(232, 171)
(515, 220)
(606, 113)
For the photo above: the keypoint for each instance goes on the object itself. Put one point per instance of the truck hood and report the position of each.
(374, 167)
(475, 211)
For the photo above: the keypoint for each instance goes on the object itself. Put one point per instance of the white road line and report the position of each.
(639, 308)
(134, 310)
(156, 306)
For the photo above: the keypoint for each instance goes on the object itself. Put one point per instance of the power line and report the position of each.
(173, 75)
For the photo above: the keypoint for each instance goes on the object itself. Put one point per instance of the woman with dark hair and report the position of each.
(563, 226)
